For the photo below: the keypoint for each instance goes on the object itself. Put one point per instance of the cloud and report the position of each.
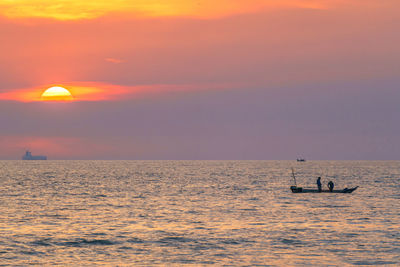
(77, 9)
(114, 60)
(94, 91)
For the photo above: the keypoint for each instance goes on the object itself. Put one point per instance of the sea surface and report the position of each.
(199, 213)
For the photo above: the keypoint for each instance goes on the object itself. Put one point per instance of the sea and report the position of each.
(198, 213)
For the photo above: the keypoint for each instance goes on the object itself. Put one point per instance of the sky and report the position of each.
(207, 80)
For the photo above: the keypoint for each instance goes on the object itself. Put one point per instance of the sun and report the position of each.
(56, 93)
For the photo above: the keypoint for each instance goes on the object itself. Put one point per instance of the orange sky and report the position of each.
(212, 74)
(77, 9)
(115, 52)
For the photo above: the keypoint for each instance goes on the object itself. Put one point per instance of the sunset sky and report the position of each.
(204, 79)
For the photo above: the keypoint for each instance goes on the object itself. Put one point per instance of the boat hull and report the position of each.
(296, 189)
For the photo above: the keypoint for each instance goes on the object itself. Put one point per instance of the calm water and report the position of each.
(197, 213)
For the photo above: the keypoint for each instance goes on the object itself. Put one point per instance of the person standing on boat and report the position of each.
(319, 184)
(331, 185)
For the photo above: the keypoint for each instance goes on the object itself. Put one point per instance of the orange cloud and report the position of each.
(91, 91)
(78, 9)
(114, 60)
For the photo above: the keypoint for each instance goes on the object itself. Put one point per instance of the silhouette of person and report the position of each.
(331, 185)
(319, 184)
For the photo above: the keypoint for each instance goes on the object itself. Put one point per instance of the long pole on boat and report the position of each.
(294, 177)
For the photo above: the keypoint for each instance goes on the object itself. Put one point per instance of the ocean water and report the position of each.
(174, 213)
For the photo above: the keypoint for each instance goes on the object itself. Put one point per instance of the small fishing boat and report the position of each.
(296, 189)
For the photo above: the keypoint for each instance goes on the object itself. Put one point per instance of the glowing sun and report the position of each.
(57, 93)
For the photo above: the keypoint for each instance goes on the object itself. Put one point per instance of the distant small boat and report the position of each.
(296, 189)
(301, 160)
(28, 156)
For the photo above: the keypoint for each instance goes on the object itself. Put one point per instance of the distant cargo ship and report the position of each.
(28, 156)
